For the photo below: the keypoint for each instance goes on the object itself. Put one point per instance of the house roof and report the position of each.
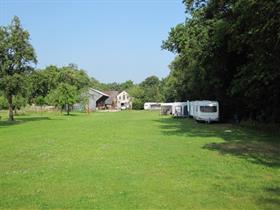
(112, 93)
(101, 93)
(123, 92)
(112, 96)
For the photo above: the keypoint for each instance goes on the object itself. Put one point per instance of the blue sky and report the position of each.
(113, 40)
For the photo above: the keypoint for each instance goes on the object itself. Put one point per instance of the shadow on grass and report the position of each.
(264, 153)
(6, 123)
(255, 146)
(252, 145)
(272, 198)
(70, 114)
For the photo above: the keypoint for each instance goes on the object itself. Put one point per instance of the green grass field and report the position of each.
(130, 159)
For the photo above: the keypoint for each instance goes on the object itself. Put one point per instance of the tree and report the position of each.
(138, 96)
(73, 76)
(147, 91)
(168, 90)
(83, 99)
(126, 85)
(18, 102)
(64, 96)
(229, 51)
(16, 57)
(42, 81)
(40, 101)
(3, 102)
(151, 89)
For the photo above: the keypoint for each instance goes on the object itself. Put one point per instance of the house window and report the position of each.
(120, 97)
(123, 97)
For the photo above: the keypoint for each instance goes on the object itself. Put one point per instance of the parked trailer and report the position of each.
(180, 109)
(152, 106)
(191, 108)
(207, 111)
(166, 108)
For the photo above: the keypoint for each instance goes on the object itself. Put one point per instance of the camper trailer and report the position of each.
(152, 106)
(207, 111)
(166, 108)
(180, 109)
(191, 108)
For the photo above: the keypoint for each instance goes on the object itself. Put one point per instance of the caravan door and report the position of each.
(186, 113)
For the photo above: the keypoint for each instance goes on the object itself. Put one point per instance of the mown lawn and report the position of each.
(130, 160)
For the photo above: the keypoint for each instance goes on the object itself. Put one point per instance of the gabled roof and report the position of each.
(97, 91)
(112, 93)
(112, 96)
(123, 92)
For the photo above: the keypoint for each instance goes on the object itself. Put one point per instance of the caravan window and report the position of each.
(208, 108)
(178, 109)
(155, 106)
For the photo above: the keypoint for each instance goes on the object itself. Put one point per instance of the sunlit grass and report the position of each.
(129, 160)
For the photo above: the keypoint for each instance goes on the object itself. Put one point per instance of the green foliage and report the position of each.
(167, 89)
(83, 99)
(64, 96)
(40, 101)
(49, 86)
(138, 97)
(94, 83)
(111, 86)
(3, 102)
(151, 89)
(13, 84)
(73, 76)
(45, 80)
(177, 39)
(229, 51)
(42, 81)
(16, 57)
(126, 85)
(147, 91)
(19, 102)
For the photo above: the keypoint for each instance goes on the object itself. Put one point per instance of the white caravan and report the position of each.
(180, 109)
(205, 110)
(191, 108)
(166, 108)
(152, 106)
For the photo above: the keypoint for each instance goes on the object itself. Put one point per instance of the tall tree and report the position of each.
(73, 76)
(229, 50)
(16, 57)
(151, 89)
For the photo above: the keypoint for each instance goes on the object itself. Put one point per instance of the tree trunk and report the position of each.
(68, 109)
(11, 113)
(88, 108)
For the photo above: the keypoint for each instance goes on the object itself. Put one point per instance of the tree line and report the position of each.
(228, 50)
(21, 83)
